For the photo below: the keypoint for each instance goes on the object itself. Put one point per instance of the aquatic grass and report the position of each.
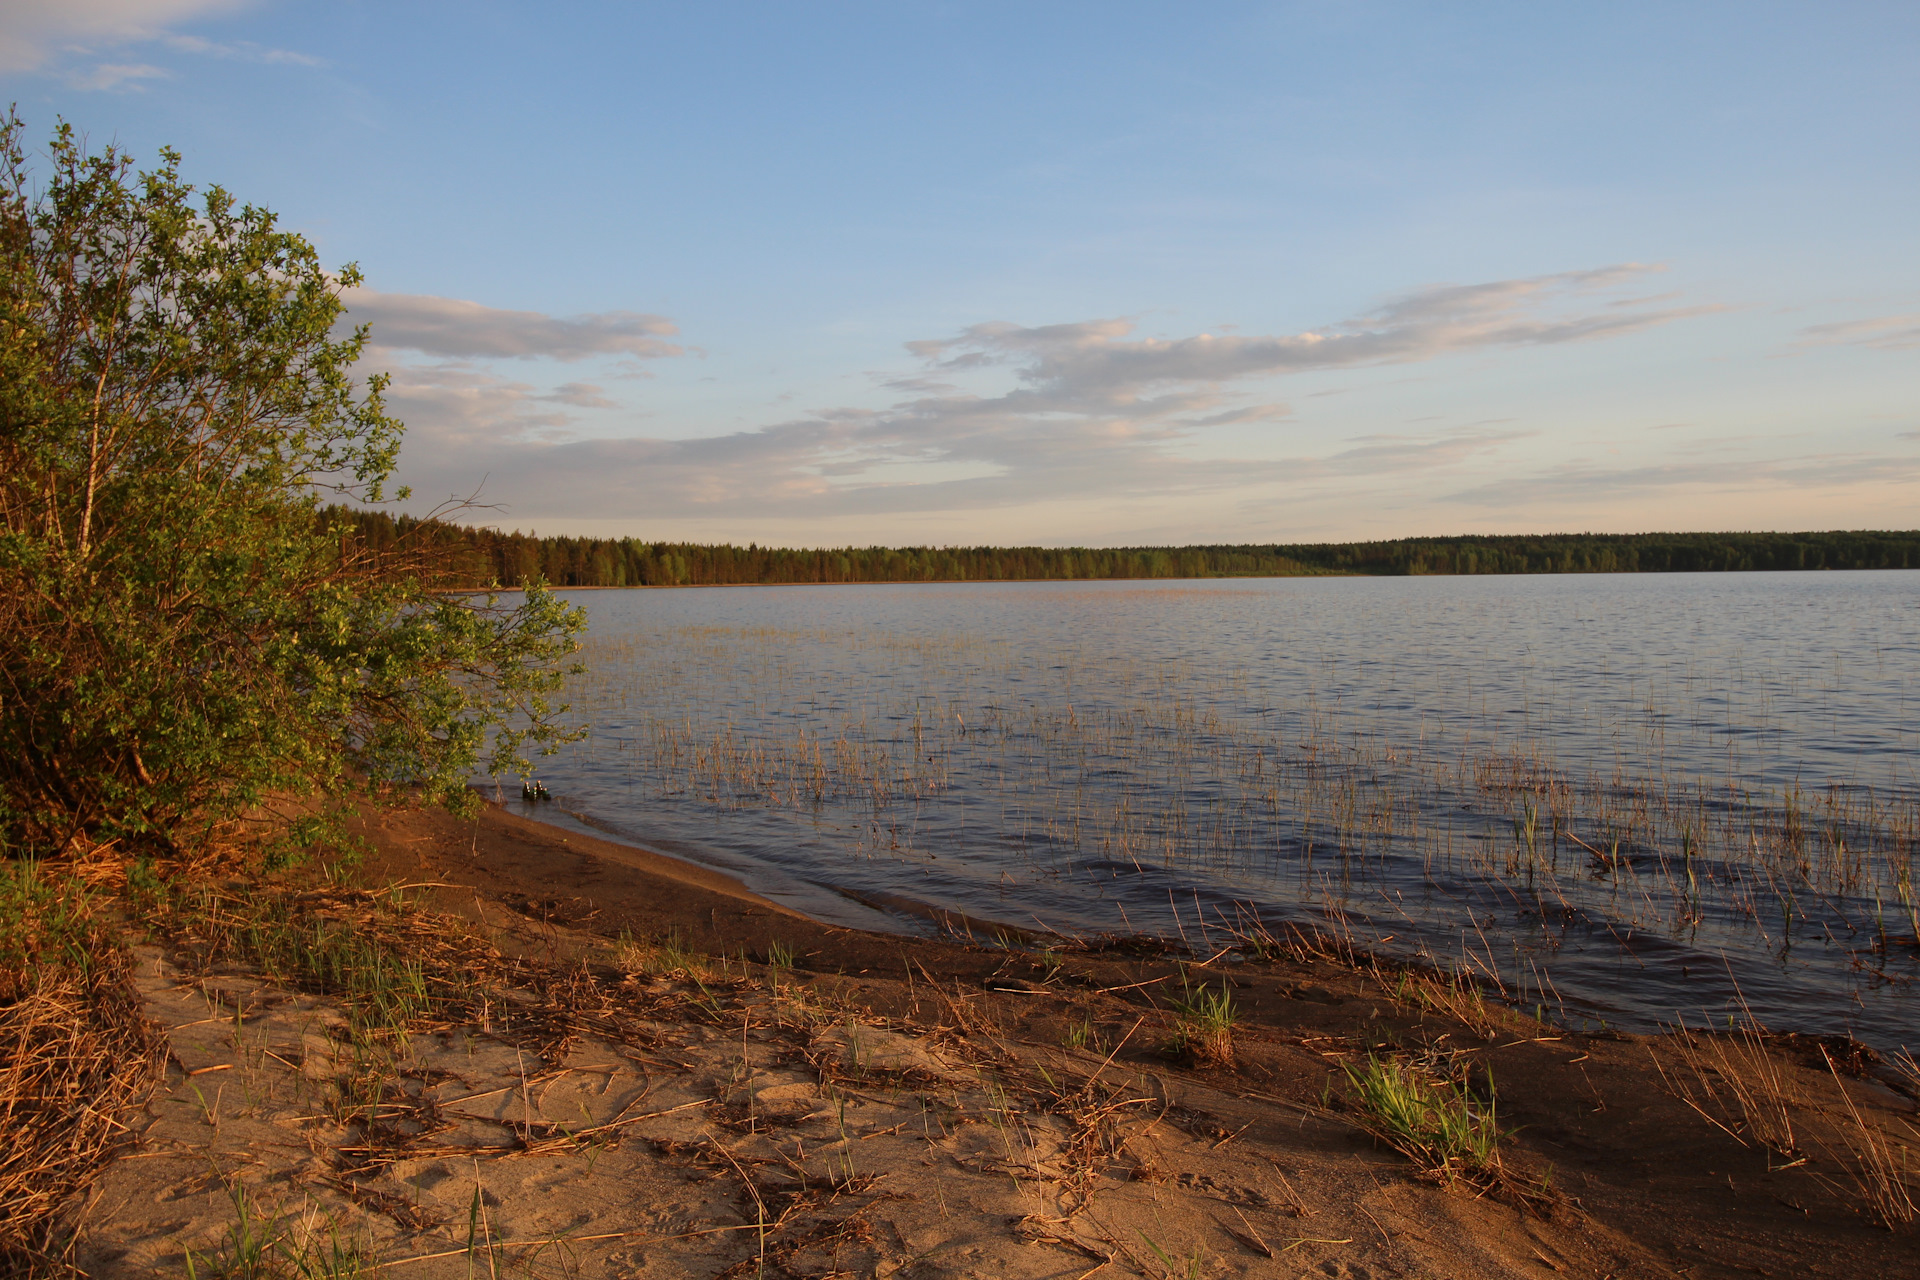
(1122, 766)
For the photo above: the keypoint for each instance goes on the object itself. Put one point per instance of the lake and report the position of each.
(1623, 798)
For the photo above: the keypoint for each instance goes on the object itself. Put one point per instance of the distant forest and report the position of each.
(463, 556)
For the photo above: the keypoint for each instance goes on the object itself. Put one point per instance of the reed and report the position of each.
(943, 752)
(1739, 1081)
(1734, 1083)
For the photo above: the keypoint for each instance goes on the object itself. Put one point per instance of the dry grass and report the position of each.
(1734, 1083)
(669, 959)
(1878, 1172)
(1737, 1082)
(75, 1053)
(394, 966)
(1908, 1069)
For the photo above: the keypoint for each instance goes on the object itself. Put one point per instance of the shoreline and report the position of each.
(1608, 1096)
(891, 914)
(1217, 577)
(663, 1073)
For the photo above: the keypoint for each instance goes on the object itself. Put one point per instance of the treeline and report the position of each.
(461, 556)
(1616, 553)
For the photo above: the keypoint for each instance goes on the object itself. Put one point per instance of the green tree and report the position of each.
(184, 634)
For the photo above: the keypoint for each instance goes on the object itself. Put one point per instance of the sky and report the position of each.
(1079, 274)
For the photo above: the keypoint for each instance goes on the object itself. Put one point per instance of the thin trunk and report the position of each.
(93, 464)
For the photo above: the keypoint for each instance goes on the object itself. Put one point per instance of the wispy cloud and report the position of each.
(74, 39)
(1586, 484)
(1887, 333)
(1100, 358)
(581, 395)
(240, 51)
(468, 330)
(116, 77)
(1095, 411)
(32, 32)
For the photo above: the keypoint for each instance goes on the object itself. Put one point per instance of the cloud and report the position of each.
(33, 32)
(468, 330)
(581, 395)
(1092, 412)
(1101, 358)
(1582, 483)
(454, 409)
(240, 51)
(1885, 333)
(1245, 413)
(114, 77)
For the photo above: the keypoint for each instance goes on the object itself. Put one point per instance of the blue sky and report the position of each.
(1081, 273)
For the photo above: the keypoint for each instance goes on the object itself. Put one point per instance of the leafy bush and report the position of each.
(184, 634)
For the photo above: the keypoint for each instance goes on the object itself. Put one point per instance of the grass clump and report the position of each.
(1203, 1026)
(1435, 1124)
(1084, 1035)
(260, 1246)
(393, 966)
(667, 959)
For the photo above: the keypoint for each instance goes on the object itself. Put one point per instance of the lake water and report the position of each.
(1617, 795)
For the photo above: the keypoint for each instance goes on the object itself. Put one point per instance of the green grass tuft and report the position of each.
(1436, 1124)
(1203, 1025)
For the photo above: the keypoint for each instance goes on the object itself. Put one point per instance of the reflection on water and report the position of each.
(1617, 795)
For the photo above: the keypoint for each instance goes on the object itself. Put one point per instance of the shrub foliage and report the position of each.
(184, 632)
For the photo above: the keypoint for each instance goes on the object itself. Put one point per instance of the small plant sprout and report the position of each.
(1083, 1035)
(779, 959)
(1203, 1025)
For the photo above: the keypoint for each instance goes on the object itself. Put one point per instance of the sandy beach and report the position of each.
(653, 1072)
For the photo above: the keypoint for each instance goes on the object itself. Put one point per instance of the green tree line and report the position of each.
(479, 557)
(1617, 553)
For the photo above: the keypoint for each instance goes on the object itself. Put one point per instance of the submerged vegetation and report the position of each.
(1526, 847)
(482, 557)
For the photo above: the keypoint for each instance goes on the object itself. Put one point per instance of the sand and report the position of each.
(912, 1107)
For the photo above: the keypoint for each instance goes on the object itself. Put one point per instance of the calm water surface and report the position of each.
(1618, 795)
